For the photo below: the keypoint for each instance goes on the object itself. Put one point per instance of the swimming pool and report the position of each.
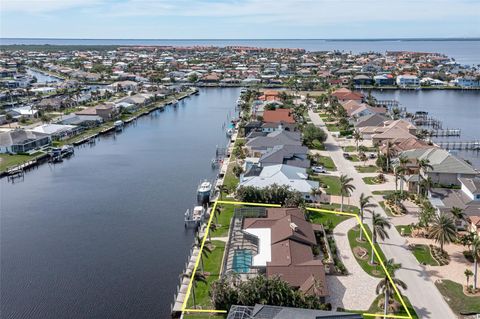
(242, 260)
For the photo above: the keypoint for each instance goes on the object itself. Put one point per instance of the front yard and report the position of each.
(423, 255)
(458, 301)
(8, 161)
(325, 161)
(331, 184)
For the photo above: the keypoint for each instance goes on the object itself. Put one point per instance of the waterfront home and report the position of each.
(120, 86)
(293, 155)
(105, 110)
(384, 80)
(344, 95)
(260, 144)
(23, 112)
(22, 141)
(447, 168)
(372, 120)
(53, 103)
(280, 126)
(360, 80)
(398, 146)
(276, 242)
(408, 80)
(467, 198)
(85, 121)
(391, 130)
(296, 178)
(58, 131)
(277, 312)
(270, 96)
(278, 115)
(467, 81)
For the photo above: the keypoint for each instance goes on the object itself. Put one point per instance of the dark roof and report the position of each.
(294, 155)
(278, 312)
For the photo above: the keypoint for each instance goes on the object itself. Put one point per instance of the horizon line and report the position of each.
(256, 39)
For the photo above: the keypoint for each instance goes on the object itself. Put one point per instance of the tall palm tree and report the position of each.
(198, 277)
(217, 212)
(364, 204)
(426, 185)
(223, 189)
(443, 230)
(346, 187)
(388, 153)
(399, 172)
(385, 286)
(458, 214)
(423, 165)
(357, 137)
(213, 227)
(379, 223)
(205, 251)
(476, 256)
(468, 273)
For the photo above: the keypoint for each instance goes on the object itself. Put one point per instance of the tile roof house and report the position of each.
(22, 141)
(447, 168)
(282, 175)
(260, 144)
(293, 155)
(287, 240)
(278, 115)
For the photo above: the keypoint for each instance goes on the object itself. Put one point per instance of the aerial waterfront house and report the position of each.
(408, 81)
(58, 131)
(276, 242)
(278, 312)
(293, 155)
(260, 144)
(467, 81)
(278, 115)
(22, 141)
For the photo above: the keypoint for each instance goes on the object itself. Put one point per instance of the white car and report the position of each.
(319, 169)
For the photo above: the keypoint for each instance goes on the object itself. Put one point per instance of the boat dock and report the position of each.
(460, 145)
(443, 132)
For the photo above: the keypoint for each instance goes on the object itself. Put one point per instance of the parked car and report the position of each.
(347, 156)
(372, 155)
(319, 169)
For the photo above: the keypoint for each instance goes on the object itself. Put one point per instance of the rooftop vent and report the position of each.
(293, 226)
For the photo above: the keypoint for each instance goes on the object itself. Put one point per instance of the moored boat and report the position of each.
(203, 193)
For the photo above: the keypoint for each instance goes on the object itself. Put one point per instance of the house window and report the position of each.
(477, 197)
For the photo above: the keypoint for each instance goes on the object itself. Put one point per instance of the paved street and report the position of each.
(423, 294)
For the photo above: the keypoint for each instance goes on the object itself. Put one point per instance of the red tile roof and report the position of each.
(278, 115)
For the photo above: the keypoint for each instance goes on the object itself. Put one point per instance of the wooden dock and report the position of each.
(460, 145)
(443, 132)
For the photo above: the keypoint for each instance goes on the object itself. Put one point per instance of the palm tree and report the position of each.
(316, 192)
(357, 137)
(364, 204)
(346, 187)
(205, 251)
(388, 153)
(476, 255)
(443, 230)
(399, 172)
(213, 227)
(198, 277)
(423, 165)
(458, 214)
(223, 189)
(379, 223)
(468, 273)
(385, 286)
(217, 212)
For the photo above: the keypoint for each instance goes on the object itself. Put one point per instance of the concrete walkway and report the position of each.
(424, 296)
(345, 290)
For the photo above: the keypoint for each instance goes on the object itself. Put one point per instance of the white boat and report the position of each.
(67, 150)
(229, 132)
(118, 125)
(175, 102)
(203, 193)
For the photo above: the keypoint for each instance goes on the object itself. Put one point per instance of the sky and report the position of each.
(239, 19)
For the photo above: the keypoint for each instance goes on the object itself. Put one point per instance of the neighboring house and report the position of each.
(272, 127)
(270, 95)
(22, 141)
(124, 86)
(260, 144)
(252, 126)
(360, 80)
(277, 312)
(345, 94)
(282, 175)
(105, 110)
(24, 111)
(391, 130)
(467, 198)
(372, 120)
(81, 120)
(384, 79)
(408, 81)
(293, 155)
(467, 82)
(447, 168)
(58, 131)
(53, 103)
(278, 115)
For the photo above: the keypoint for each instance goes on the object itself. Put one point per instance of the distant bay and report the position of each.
(464, 51)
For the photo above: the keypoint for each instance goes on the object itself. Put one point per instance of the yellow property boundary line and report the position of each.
(212, 213)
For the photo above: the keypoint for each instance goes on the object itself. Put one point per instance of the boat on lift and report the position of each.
(118, 125)
(203, 192)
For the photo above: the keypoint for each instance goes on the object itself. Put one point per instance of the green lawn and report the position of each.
(327, 162)
(385, 192)
(223, 221)
(458, 301)
(331, 219)
(407, 229)
(212, 267)
(371, 180)
(386, 209)
(333, 127)
(8, 161)
(367, 169)
(350, 148)
(373, 270)
(374, 308)
(330, 183)
(354, 158)
(423, 255)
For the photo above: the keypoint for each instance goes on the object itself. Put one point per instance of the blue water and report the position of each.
(242, 261)
(463, 51)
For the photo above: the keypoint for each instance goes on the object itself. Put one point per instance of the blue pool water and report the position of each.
(242, 261)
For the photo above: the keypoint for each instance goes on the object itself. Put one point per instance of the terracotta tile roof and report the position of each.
(278, 115)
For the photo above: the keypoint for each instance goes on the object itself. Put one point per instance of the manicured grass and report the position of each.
(371, 180)
(230, 180)
(373, 270)
(350, 148)
(330, 219)
(407, 229)
(423, 255)
(458, 301)
(333, 127)
(331, 183)
(327, 162)
(9, 161)
(212, 265)
(374, 308)
(354, 158)
(223, 220)
(367, 169)
(385, 192)
(386, 209)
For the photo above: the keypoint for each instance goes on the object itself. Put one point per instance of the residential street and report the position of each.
(423, 294)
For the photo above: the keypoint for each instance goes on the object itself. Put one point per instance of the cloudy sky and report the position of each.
(249, 19)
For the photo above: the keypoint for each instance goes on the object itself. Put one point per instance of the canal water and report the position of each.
(102, 234)
(43, 77)
(455, 109)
